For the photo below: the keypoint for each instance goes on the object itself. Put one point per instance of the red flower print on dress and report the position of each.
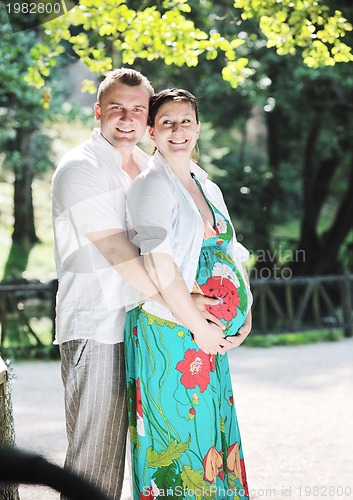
(139, 413)
(244, 481)
(196, 367)
(192, 413)
(213, 465)
(134, 331)
(233, 460)
(138, 398)
(224, 289)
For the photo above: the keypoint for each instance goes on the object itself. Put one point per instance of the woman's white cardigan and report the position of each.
(167, 220)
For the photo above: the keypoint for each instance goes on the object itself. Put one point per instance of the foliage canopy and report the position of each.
(100, 31)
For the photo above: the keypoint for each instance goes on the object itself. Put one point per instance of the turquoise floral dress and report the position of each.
(185, 440)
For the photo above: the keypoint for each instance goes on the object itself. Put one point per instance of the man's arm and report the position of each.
(124, 257)
(171, 284)
(161, 281)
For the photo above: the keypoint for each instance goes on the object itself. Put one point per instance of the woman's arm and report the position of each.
(244, 330)
(151, 203)
(171, 285)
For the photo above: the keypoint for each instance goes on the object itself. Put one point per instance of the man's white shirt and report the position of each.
(89, 189)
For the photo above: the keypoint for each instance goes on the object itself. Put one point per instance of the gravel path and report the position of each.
(294, 404)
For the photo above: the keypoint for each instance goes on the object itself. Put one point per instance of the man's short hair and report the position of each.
(127, 76)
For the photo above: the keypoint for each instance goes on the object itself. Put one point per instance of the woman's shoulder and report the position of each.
(150, 177)
(149, 181)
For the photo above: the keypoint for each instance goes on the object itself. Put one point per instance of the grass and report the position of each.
(295, 338)
(38, 262)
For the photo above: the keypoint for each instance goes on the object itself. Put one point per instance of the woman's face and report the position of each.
(175, 130)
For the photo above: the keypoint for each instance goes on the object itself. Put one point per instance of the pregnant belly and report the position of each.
(233, 304)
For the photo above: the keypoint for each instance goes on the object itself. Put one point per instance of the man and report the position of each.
(88, 190)
(90, 228)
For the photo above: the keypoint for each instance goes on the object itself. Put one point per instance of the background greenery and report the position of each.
(275, 87)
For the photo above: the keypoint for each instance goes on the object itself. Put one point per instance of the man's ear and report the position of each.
(97, 111)
(151, 132)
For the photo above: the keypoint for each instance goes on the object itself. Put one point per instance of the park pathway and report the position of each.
(294, 404)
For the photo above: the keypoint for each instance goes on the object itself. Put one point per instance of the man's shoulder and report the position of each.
(83, 154)
(85, 160)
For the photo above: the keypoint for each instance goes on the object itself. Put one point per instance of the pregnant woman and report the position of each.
(185, 440)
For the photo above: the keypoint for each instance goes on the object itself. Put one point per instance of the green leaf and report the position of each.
(167, 479)
(151, 319)
(134, 437)
(193, 481)
(166, 457)
(89, 86)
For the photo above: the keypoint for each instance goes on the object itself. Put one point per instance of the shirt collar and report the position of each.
(112, 157)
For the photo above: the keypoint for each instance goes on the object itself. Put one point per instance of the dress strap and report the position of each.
(206, 222)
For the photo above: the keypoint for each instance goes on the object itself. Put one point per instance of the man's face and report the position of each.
(123, 114)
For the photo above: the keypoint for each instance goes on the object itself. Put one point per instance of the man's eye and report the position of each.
(167, 122)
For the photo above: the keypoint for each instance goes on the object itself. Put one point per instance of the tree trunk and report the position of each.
(333, 238)
(266, 264)
(24, 230)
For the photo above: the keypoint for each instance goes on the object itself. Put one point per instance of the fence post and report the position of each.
(346, 296)
(7, 431)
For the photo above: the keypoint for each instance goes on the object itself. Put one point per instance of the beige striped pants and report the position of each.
(96, 412)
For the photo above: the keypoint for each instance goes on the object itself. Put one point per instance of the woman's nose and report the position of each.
(176, 126)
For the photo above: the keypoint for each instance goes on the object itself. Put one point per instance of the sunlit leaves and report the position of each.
(236, 72)
(304, 24)
(169, 36)
(89, 86)
(110, 31)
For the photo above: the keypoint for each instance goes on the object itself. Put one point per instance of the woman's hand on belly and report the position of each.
(243, 332)
(201, 301)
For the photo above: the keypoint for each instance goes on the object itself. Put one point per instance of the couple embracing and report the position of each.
(152, 294)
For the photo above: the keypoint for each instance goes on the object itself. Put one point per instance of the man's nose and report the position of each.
(126, 114)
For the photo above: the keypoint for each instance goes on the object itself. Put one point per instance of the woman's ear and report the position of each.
(198, 128)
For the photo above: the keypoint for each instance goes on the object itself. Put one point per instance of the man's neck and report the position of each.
(127, 162)
(129, 165)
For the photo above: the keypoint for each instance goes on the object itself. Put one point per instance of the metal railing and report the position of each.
(280, 305)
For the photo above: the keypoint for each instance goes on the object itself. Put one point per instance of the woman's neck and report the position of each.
(180, 165)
